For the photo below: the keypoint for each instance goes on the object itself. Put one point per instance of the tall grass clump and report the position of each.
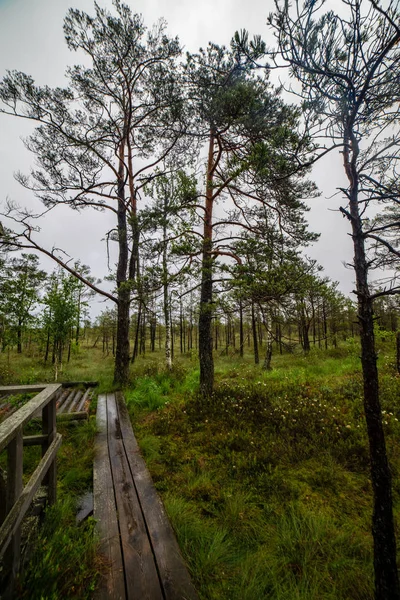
(64, 563)
(147, 393)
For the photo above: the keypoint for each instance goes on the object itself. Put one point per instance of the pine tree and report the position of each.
(99, 138)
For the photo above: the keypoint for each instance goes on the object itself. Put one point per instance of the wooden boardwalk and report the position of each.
(142, 554)
(71, 399)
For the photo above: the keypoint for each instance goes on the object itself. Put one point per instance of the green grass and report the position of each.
(65, 561)
(267, 484)
(86, 364)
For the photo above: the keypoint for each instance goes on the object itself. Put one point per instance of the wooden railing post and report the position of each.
(49, 428)
(14, 489)
(18, 497)
(3, 497)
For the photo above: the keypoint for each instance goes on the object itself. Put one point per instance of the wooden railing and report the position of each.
(17, 498)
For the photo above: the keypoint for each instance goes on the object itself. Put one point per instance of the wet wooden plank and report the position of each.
(13, 492)
(24, 389)
(62, 398)
(105, 512)
(4, 404)
(25, 413)
(76, 401)
(35, 440)
(142, 582)
(85, 507)
(86, 397)
(67, 403)
(173, 572)
(85, 384)
(14, 517)
(49, 428)
(72, 416)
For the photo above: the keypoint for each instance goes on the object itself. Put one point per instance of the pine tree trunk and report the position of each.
(142, 344)
(172, 332)
(280, 338)
(319, 327)
(255, 338)
(137, 329)
(55, 362)
(121, 368)
(385, 567)
(325, 325)
(304, 332)
(268, 352)
(241, 338)
(19, 337)
(121, 365)
(78, 320)
(153, 334)
(205, 317)
(268, 356)
(205, 324)
(46, 354)
(190, 333)
(306, 339)
(181, 328)
(167, 320)
(168, 353)
(314, 331)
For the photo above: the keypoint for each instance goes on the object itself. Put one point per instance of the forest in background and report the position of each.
(46, 317)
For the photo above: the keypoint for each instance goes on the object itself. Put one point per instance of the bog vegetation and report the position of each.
(267, 483)
(269, 471)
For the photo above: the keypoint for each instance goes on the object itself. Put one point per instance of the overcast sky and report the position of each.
(31, 40)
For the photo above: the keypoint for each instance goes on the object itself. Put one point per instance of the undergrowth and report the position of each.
(267, 483)
(65, 561)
